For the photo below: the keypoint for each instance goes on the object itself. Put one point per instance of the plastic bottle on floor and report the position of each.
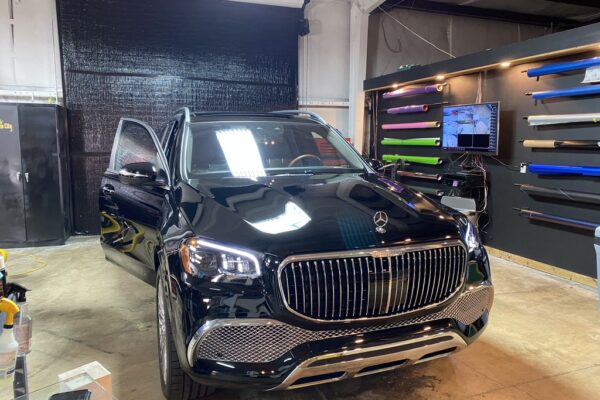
(8, 344)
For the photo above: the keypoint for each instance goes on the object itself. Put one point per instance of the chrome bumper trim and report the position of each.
(264, 340)
(219, 323)
(449, 341)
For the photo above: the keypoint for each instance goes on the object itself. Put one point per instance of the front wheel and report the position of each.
(174, 382)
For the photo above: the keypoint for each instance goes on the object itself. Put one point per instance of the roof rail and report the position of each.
(312, 115)
(186, 112)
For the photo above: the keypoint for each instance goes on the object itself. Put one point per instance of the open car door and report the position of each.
(133, 199)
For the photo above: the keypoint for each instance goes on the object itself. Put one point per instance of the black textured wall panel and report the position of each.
(146, 58)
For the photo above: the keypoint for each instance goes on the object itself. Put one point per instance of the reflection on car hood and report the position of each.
(294, 214)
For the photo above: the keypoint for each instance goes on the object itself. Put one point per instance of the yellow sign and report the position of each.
(6, 126)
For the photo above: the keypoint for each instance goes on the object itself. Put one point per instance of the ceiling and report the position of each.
(280, 3)
(556, 13)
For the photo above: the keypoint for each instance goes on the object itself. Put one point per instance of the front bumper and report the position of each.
(362, 361)
(271, 354)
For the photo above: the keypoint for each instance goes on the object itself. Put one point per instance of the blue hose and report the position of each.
(544, 169)
(563, 67)
(576, 91)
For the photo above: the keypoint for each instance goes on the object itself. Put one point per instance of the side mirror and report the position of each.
(375, 163)
(138, 173)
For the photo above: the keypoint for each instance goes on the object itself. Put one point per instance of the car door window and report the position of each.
(168, 139)
(134, 143)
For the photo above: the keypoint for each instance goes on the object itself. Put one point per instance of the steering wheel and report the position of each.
(302, 157)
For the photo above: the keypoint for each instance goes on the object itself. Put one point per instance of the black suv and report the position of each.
(281, 258)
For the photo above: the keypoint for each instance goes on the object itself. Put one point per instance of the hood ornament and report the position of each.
(380, 219)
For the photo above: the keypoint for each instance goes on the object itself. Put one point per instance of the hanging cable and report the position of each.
(510, 167)
(416, 34)
(386, 40)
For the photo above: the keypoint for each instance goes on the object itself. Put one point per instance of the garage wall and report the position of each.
(391, 45)
(30, 64)
(502, 228)
(146, 59)
(324, 67)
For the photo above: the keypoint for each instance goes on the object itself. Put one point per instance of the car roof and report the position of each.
(249, 116)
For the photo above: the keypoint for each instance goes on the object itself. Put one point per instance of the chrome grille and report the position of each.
(371, 284)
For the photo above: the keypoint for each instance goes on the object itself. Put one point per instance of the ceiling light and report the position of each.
(440, 77)
(505, 64)
(395, 86)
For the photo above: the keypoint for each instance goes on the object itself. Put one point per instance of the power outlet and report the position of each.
(523, 169)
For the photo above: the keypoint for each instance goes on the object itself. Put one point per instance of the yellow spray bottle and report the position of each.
(3, 259)
(8, 344)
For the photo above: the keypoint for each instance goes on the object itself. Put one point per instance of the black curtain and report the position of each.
(146, 58)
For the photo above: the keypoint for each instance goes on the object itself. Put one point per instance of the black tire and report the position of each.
(174, 382)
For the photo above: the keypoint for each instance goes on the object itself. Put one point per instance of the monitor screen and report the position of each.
(471, 128)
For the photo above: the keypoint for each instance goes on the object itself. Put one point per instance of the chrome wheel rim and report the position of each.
(162, 332)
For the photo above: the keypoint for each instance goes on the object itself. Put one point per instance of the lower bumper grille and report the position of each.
(257, 341)
(368, 284)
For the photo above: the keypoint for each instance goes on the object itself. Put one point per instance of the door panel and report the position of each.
(12, 210)
(131, 216)
(41, 175)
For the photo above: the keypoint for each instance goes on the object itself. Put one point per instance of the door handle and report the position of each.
(26, 177)
(108, 190)
(19, 176)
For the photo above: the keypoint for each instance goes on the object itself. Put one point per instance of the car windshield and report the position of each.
(253, 149)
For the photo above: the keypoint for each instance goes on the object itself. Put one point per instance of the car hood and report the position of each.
(295, 214)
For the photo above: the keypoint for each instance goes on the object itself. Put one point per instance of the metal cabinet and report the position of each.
(35, 196)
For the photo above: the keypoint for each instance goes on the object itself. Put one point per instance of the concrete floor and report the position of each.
(543, 341)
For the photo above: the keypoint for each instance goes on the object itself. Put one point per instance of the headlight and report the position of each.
(471, 235)
(199, 257)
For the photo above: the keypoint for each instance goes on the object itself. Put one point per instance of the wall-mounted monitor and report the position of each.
(471, 128)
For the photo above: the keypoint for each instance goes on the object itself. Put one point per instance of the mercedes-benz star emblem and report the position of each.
(381, 219)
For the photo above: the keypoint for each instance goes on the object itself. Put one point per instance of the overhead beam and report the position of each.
(585, 3)
(278, 3)
(486, 13)
(368, 6)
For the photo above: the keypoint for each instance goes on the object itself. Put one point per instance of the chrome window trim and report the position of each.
(376, 252)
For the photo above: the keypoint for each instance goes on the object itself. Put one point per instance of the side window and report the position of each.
(166, 132)
(133, 144)
(168, 140)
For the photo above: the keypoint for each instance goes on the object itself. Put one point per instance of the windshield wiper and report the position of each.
(295, 173)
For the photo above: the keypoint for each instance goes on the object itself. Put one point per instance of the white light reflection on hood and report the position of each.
(293, 218)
